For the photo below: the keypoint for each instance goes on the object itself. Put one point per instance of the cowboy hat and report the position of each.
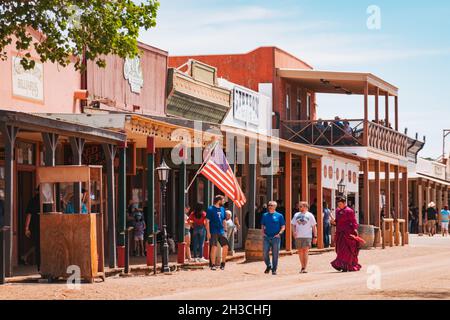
(431, 205)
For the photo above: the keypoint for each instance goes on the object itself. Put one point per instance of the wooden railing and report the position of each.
(351, 132)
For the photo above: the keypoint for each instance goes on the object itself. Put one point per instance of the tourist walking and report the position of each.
(215, 230)
(305, 233)
(326, 225)
(431, 219)
(273, 226)
(139, 230)
(198, 220)
(187, 234)
(347, 244)
(444, 221)
(231, 230)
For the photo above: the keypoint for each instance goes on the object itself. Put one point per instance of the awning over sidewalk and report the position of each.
(337, 82)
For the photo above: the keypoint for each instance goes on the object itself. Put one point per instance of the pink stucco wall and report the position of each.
(59, 86)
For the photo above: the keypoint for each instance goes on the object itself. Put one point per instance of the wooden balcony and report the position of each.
(345, 133)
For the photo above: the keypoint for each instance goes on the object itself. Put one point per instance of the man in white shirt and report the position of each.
(305, 232)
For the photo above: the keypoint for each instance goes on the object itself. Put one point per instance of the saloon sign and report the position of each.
(336, 171)
(133, 73)
(28, 84)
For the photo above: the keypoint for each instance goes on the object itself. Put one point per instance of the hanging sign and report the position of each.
(133, 73)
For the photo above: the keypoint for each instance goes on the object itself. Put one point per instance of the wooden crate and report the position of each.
(67, 240)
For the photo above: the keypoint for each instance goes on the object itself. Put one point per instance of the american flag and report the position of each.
(217, 170)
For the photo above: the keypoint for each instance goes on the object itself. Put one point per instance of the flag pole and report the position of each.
(201, 167)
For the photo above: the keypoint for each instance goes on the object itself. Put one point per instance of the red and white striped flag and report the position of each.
(218, 171)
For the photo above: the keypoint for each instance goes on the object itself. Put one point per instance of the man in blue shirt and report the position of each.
(273, 226)
(215, 230)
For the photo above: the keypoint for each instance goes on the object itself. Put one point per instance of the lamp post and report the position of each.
(163, 176)
(341, 188)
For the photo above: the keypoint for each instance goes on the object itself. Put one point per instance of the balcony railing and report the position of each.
(340, 133)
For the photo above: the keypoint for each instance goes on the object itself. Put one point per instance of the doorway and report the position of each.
(25, 187)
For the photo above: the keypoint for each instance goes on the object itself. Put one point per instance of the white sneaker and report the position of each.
(203, 260)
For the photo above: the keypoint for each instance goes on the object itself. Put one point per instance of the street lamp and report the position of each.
(341, 187)
(163, 176)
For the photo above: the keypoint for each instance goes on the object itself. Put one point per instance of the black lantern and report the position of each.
(341, 187)
(163, 176)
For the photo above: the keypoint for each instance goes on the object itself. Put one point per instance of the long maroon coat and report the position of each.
(346, 246)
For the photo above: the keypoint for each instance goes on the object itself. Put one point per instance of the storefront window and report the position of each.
(25, 153)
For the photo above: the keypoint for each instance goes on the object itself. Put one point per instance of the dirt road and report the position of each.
(418, 271)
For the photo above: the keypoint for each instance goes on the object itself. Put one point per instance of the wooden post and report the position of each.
(150, 223)
(182, 184)
(396, 113)
(270, 178)
(288, 197)
(377, 105)
(397, 192)
(405, 204)
(366, 115)
(122, 210)
(387, 190)
(305, 179)
(420, 204)
(110, 154)
(50, 143)
(252, 183)
(366, 193)
(320, 242)
(9, 134)
(445, 196)
(77, 145)
(386, 109)
(377, 220)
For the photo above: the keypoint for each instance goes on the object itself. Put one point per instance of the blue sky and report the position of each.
(411, 50)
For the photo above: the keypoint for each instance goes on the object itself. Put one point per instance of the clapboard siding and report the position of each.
(109, 83)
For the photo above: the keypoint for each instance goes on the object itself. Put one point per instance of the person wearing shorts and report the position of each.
(139, 229)
(215, 231)
(305, 233)
(444, 221)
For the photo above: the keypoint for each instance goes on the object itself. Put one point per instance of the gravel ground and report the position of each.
(418, 271)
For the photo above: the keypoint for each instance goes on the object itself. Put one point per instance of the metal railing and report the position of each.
(345, 132)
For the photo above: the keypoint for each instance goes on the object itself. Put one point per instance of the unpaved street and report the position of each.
(418, 271)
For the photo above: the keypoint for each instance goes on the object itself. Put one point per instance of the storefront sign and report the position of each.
(245, 106)
(336, 171)
(28, 84)
(133, 73)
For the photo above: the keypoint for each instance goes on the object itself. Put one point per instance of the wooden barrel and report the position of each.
(254, 245)
(367, 232)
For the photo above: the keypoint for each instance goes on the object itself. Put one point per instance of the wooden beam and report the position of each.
(396, 113)
(366, 114)
(288, 199)
(252, 182)
(320, 242)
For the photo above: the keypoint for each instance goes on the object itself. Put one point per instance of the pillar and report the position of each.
(445, 196)
(420, 204)
(50, 143)
(396, 113)
(252, 183)
(397, 191)
(9, 136)
(366, 114)
(288, 199)
(405, 204)
(387, 190)
(270, 178)
(150, 223)
(320, 243)
(77, 145)
(366, 193)
(305, 179)
(386, 98)
(110, 154)
(122, 210)
(377, 104)
(377, 195)
(182, 184)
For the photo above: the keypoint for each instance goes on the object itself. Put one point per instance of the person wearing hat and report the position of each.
(139, 229)
(347, 240)
(431, 219)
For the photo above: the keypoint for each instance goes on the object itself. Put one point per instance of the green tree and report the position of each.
(75, 29)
